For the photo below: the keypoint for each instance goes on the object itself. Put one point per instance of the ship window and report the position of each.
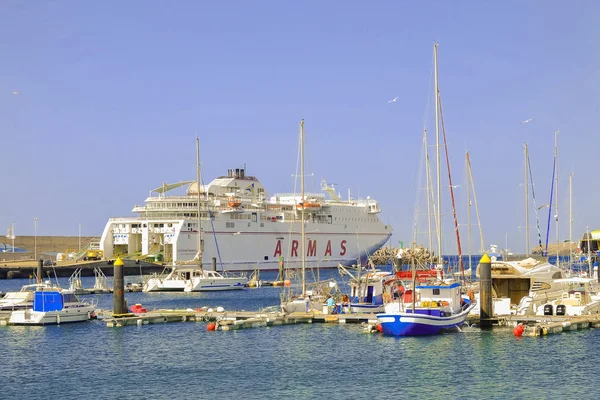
(144, 225)
(262, 224)
(266, 258)
(436, 292)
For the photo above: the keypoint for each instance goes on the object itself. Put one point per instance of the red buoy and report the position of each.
(211, 326)
(379, 328)
(518, 331)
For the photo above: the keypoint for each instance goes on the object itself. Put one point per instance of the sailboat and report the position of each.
(434, 306)
(192, 277)
(308, 300)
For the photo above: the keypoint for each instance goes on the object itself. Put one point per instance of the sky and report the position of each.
(100, 102)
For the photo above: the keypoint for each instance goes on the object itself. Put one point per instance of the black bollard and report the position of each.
(214, 263)
(485, 292)
(119, 288)
(40, 270)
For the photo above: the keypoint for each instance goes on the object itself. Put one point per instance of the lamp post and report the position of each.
(79, 237)
(35, 237)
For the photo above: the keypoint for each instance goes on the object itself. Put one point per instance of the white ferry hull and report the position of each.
(244, 230)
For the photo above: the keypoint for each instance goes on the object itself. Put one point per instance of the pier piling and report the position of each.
(119, 288)
(214, 263)
(485, 294)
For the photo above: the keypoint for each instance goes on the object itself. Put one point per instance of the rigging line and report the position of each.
(460, 261)
(550, 206)
(537, 220)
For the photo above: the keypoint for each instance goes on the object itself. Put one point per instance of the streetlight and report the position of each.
(35, 219)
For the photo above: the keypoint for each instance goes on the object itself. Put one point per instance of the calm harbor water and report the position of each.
(184, 360)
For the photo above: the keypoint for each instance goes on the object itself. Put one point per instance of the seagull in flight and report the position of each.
(16, 93)
(527, 121)
(394, 99)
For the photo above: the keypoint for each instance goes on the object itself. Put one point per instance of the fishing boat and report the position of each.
(431, 307)
(368, 291)
(53, 306)
(434, 307)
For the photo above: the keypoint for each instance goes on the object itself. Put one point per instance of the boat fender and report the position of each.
(471, 295)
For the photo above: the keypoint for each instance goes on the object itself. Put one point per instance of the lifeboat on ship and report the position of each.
(234, 203)
(309, 206)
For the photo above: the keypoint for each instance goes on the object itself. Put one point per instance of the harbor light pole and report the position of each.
(79, 237)
(35, 219)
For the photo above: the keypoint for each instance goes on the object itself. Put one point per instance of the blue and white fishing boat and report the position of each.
(436, 307)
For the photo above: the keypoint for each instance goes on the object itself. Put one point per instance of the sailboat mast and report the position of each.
(527, 247)
(302, 233)
(437, 151)
(198, 210)
(482, 243)
(571, 220)
(556, 195)
(428, 179)
(469, 211)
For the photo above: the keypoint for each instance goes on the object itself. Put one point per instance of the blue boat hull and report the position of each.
(409, 324)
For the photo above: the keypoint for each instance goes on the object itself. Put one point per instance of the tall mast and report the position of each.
(428, 179)
(302, 233)
(556, 195)
(198, 211)
(437, 151)
(526, 204)
(469, 210)
(571, 220)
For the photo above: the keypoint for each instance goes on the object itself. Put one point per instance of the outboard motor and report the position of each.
(561, 309)
(548, 309)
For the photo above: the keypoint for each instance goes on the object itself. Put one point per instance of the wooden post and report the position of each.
(119, 288)
(485, 293)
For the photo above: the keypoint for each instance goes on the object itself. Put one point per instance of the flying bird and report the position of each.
(15, 92)
(394, 99)
(527, 121)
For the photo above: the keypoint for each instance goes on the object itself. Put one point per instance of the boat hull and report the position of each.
(409, 324)
(215, 284)
(67, 315)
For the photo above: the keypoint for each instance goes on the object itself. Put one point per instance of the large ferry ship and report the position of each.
(244, 229)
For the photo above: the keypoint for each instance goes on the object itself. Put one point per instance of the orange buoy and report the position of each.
(211, 326)
(518, 331)
(379, 328)
(287, 282)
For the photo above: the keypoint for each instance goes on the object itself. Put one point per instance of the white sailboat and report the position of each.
(192, 277)
(308, 300)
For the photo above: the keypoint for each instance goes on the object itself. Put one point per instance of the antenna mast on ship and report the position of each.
(198, 211)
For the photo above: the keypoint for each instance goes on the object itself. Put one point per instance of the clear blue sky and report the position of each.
(112, 94)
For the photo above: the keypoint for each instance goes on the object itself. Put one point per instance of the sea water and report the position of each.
(185, 361)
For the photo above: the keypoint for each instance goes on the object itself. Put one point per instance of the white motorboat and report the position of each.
(53, 306)
(23, 298)
(578, 296)
(174, 281)
(204, 281)
(367, 291)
